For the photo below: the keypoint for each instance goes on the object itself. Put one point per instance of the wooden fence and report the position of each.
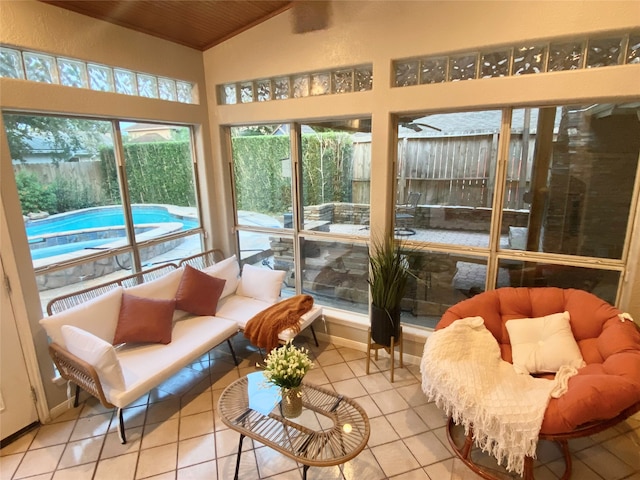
(450, 170)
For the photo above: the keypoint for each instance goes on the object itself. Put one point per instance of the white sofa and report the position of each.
(82, 336)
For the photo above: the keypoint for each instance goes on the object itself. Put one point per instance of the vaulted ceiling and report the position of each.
(197, 24)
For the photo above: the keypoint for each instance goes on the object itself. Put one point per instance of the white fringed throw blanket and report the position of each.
(462, 370)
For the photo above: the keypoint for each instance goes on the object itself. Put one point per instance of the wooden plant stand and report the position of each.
(390, 350)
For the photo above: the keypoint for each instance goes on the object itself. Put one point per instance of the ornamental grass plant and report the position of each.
(286, 366)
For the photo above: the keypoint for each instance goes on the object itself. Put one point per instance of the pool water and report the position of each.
(92, 227)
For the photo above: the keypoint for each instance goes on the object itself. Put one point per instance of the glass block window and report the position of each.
(495, 64)
(167, 89)
(528, 60)
(633, 52)
(100, 78)
(565, 56)
(263, 90)
(433, 70)
(406, 74)
(550, 56)
(147, 86)
(246, 92)
(363, 79)
(125, 81)
(463, 67)
(343, 81)
(185, 92)
(320, 83)
(11, 63)
(72, 73)
(40, 68)
(603, 52)
(43, 68)
(299, 85)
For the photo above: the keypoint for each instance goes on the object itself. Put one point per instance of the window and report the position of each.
(87, 219)
(304, 209)
(566, 188)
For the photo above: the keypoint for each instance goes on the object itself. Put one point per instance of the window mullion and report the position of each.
(124, 194)
(296, 194)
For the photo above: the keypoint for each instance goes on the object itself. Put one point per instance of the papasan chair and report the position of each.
(603, 387)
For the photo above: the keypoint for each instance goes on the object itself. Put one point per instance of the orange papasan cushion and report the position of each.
(610, 381)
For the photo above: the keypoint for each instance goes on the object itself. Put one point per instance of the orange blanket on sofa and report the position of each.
(263, 329)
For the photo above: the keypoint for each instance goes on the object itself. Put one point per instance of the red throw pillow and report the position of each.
(144, 320)
(198, 293)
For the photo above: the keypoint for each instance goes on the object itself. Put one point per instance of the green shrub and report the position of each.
(34, 195)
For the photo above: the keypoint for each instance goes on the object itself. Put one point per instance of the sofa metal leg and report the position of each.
(233, 352)
(121, 433)
(76, 400)
(313, 332)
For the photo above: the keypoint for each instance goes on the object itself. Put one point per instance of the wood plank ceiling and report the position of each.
(194, 23)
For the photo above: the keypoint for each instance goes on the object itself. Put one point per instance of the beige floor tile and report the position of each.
(163, 476)
(227, 442)
(395, 458)
(92, 406)
(53, 434)
(329, 357)
(272, 463)
(91, 426)
(349, 354)
(375, 382)
(381, 431)
(39, 461)
(369, 406)
(338, 372)
(196, 425)
(132, 416)
(413, 394)
(418, 474)
(604, 463)
(70, 414)
(389, 401)
(9, 464)
(19, 445)
(432, 415)
(314, 473)
(112, 446)
(81, 452)
(579, 470)
(626, 448)
(407, 423)
(156, 460)
(248, 466)
(363, 467)
(196, 450)
(206, 470)
(79, 472)
(359, 367)
(351, 388)
(168, 409)
(441, 470)
(202, 402)
(160, 434)
(427, 448)
(316, 376)
(122, 467)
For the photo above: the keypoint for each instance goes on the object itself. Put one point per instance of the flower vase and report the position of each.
(291, 403)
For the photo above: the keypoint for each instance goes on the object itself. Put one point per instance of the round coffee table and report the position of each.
(331, 430)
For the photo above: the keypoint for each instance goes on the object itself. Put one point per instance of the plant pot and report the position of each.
(291, 403)
(383, 327)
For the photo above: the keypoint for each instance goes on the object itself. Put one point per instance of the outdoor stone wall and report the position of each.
(100, 267)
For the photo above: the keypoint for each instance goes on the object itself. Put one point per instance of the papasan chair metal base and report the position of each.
(464, 451)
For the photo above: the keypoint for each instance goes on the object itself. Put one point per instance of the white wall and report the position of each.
(379, 32)
(41, 27)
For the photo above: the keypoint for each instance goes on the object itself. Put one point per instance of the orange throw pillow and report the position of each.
(144, 320)
(198, 293)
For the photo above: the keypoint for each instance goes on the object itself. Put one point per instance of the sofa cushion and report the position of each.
(261, 283)
(543, 344)
(163, 288)
(98, 353)
(144, 320)
(229, 270)
(98, 316)
(198, 293)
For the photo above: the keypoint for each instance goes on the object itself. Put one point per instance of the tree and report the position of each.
(67, 136)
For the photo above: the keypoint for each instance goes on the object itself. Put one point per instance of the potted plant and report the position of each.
(285, 367)
(388, 276)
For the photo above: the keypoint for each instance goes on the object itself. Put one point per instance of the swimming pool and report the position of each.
(93, 228)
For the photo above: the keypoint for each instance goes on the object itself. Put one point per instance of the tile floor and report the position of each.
(174, 432)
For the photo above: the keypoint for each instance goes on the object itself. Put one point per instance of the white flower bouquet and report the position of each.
(286, 366)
